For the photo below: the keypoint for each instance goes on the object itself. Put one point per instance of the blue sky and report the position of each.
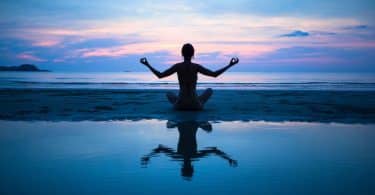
(271, 36)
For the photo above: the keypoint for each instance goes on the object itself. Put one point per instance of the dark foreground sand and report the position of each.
(224, 105)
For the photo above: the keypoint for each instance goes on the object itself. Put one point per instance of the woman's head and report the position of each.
(187, 51)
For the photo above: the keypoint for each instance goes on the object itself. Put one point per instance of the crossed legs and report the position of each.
(172, 97)
(205, 96)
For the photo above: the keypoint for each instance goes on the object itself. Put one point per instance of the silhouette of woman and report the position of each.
(187, 71)
(187, 151)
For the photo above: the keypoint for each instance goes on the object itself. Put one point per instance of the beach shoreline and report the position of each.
(224, 105)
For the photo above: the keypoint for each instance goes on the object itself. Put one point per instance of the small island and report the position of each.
(22, 67)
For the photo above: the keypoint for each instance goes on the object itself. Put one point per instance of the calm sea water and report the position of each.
(193, 157)
(230, 80)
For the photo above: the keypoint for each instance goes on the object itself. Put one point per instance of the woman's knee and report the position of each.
(209, 90)
(172, 97)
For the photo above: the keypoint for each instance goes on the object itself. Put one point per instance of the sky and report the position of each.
(267, 36)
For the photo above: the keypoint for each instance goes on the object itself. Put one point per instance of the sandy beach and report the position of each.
(224, 105)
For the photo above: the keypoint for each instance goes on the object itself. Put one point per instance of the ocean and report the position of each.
(230, 80)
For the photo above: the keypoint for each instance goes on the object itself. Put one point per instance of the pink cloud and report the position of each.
(315, 60)
(129, 49)
(30, 57)
(46, 43)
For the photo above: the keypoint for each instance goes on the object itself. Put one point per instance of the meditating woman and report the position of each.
(187, 71)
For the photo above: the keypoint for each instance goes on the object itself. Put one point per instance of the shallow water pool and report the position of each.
(186, 157)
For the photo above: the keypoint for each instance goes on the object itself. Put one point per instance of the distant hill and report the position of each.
(23, 67)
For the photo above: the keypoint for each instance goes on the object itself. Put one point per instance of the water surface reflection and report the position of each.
(187, 147)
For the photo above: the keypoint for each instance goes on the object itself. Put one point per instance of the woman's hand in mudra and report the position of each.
(144, 61)
(233, 61)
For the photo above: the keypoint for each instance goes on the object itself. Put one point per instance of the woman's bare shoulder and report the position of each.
(196, 64)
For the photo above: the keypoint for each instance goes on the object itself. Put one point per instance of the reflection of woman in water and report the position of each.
(187, 98)
(187, 147)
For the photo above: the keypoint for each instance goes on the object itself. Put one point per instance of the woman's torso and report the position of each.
(187, 78)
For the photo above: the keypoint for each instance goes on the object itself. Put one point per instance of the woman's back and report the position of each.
(187, 78)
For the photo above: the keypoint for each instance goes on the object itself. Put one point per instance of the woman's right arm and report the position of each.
(211, 73)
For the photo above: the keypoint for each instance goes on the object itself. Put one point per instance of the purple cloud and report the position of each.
(297, 33)
(357, 27)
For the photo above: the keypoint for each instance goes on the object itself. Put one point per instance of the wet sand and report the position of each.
(224, 105)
